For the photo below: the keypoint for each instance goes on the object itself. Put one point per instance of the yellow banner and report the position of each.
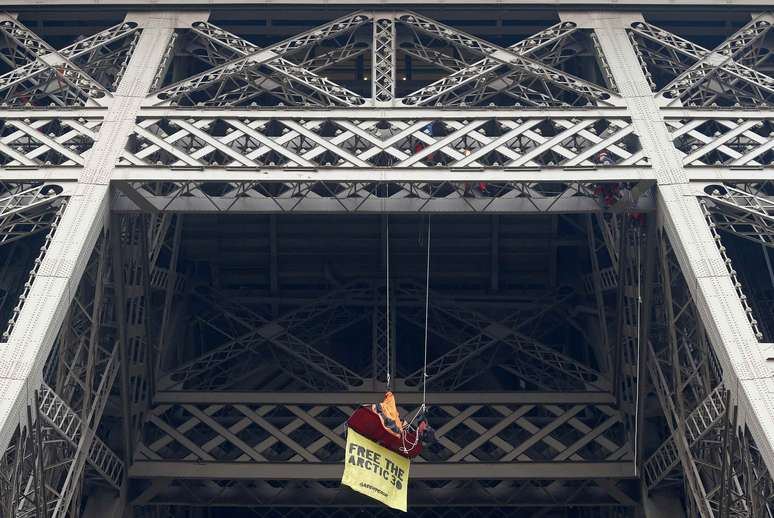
(375, 471)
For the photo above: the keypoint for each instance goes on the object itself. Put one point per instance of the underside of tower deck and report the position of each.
(222, 224)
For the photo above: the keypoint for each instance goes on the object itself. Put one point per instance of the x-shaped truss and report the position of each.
(42, 74)
(293, 83)
(516, 59)
(707, 140)
(528, 358)
(707, 76)
(500, 140)
(314, 432)
(233, 76)
(242, 71)
(291, 339)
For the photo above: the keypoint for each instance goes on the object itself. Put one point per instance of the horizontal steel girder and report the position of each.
(419, 471)
(356, 398)
(614, 495)
(276, 435)
(370, 196)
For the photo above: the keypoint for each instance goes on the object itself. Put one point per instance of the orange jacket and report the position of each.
(387, 411)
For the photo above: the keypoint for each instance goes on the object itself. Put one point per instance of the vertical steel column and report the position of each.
(129, 235)
(170, 292)
(646, 309)
(28, 346)
(383, 59)
(602, 346)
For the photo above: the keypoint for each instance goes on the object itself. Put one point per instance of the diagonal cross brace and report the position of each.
(46, 58)
(700, 421)
(68, 424)
(278, 333)
(99, 40)
(240, 66)
(507, 331)
(464, 73)
(508, 57)
(722, 58)
(26, 212)
(336, 94)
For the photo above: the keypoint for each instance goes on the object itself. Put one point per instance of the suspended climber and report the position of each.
(380, 443)
(381, 423)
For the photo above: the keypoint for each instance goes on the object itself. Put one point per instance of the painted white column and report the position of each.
(743, 359)
(23, 356)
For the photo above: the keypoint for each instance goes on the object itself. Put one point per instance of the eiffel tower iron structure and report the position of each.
(214, 217)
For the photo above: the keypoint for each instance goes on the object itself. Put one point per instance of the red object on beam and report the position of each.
(367, 423)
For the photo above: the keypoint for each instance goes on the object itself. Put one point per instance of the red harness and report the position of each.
(367, 423)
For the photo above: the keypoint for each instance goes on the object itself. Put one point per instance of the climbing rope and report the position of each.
(389, 323)
(421, 410)
(427, 312)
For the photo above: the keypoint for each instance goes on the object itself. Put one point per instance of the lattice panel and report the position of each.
(724, 141)
(236, 75)
(528, 72)
(733, 73)
(105, 55)
(39, 142)
(73, 76)
(383, 56)
(524, 68)
(316, 433)
(531, 141)
(292, 339)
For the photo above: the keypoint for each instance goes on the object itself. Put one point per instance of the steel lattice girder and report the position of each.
(706, 64)
(366, 197)
(54, 74)
(283, 71)
(389, 139)
(231, 74)
(441, 509)
(511, 433)
(237, 80)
